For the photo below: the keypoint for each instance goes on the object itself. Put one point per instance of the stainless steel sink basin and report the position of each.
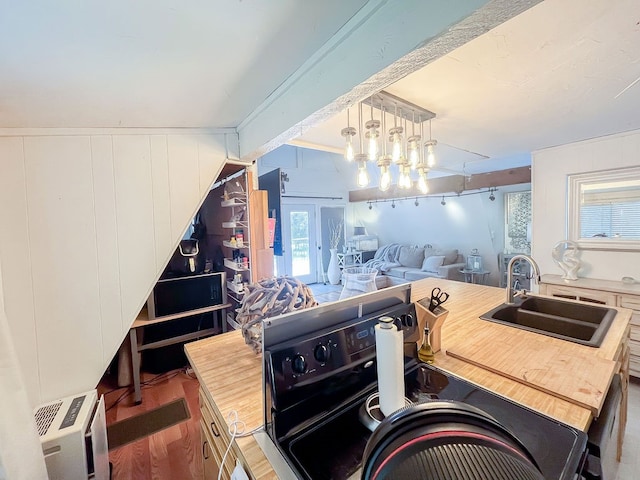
(574, 322)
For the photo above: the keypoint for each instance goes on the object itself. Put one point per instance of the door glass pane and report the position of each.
(300, 258)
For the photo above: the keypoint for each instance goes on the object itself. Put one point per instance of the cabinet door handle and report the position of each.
(214, 429)
(205, 455)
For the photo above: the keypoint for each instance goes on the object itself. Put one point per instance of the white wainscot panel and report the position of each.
(15, 258)
(161, 199)
(134, 210)
(184, 181)
(63, 247)
(107, 245)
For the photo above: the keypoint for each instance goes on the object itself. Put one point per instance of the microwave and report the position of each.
(172, 296)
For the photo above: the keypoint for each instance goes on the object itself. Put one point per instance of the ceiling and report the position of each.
(560, 72)
(153, 63)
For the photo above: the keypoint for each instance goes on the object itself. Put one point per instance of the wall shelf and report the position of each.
(235, 224)
(234, 202)
(234, 266)
(238, 289)
(227, 243)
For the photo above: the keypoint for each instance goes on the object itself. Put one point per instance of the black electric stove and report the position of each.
(317, 379)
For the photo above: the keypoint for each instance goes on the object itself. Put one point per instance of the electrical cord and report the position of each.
(236, 430)
(152, 381)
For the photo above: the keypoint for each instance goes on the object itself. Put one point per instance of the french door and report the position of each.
(299, 232)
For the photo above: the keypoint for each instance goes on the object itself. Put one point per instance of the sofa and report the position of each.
(398, 263)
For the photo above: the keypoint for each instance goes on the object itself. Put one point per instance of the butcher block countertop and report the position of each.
(230, 373)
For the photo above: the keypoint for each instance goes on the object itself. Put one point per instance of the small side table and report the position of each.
(353, 259)
(475, 276)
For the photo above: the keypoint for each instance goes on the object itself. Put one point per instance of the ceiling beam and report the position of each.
(360, 61)
(448, 184)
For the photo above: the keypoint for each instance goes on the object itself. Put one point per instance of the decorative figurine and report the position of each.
(565, 254)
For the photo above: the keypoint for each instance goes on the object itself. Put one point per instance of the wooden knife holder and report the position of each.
(434, 320)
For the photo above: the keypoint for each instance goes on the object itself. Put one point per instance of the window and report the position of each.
(604, 209)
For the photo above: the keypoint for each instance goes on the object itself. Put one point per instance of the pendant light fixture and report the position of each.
(429, 144)
(363, 174)
(404, 179)
(362, 178)
(413, 144)
(395, 135)
(348, 133)
(374, 130)
(384, 161)
(385, 173)
(422, 180)
(372, 135)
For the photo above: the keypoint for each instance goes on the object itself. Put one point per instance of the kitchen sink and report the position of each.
(574, 322)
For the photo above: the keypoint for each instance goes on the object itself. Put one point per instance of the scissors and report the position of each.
(438, 297)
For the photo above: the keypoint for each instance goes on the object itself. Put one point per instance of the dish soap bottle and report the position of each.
(425, 354)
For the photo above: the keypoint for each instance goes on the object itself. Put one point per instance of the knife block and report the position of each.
(433, 319)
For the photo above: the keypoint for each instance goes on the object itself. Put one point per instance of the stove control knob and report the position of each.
(409, 320)
(299, 364)
(321, 353)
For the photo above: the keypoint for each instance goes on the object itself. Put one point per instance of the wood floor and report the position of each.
(171, 454)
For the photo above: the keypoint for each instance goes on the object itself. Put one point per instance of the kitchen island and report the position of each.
(230, 373)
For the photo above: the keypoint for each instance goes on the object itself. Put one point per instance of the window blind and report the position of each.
(613, 220)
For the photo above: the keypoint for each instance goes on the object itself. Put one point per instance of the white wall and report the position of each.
(314, 179)
(465, 223)
(88, 223)
(550, 169)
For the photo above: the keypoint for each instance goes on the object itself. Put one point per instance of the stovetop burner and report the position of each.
(333, 449)
(370, 413)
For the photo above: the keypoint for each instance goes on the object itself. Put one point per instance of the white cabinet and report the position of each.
(633, 302)
(603, 292)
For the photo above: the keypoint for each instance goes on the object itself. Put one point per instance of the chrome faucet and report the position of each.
(511, 291)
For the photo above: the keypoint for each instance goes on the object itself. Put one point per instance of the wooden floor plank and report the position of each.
(172, 453)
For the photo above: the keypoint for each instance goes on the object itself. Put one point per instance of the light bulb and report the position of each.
(396, 152)
(349, 154)
(363, 176)
(414, 150)
(373, 144)
(396, 144)
(403, 180)
(372, 135)
(431, 158)
(422, 183)
(348, 133)
(385, 179)
(414, 157)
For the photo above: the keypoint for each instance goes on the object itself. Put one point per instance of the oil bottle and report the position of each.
(425, 353)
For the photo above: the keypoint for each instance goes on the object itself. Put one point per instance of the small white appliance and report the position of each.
(73, 434)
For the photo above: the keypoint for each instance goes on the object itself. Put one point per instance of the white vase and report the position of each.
(333, 272)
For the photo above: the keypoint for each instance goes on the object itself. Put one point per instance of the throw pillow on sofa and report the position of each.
(450, 256)
(432, 263)
(411, 257)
